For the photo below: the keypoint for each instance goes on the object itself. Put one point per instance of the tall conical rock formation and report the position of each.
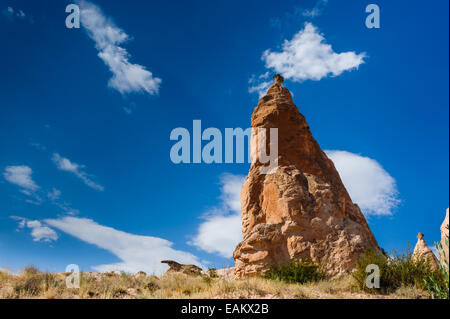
(423, 252)
(302, 210)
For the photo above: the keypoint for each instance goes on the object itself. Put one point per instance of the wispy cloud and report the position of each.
(298, 14)
(127, 77)
(54, 194)
(135, 252)
(259, 84)
(221, 230)
(14, 14)
(368, 183)
(316, 11)
(307, 57)
(127, 110)
(38, 146)
(65, 164)
(39, 232)
(20, 176)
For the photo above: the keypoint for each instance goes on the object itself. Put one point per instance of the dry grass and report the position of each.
(31, 283)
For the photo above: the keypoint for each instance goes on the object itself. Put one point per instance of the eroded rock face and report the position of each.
(302, 210)
(422, 251)
(185, 269)
(226, 273)
(444, 240)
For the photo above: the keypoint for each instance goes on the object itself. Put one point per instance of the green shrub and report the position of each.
(28, 286)
(396, 270)
(49, 281)
(151, 286)
(212, 272)
(296, 271)
(207, 279)
(30, 270)
(435, 286)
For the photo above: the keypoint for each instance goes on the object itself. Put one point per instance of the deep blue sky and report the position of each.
(54, 91)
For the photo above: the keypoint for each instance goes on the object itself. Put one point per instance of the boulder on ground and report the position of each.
(226, 273)
(140, 274)
(185, 269)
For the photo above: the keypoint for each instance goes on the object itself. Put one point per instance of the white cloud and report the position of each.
(21, 14)
(39, 232)
(316, 11)
(54, 194)
(260, 88)
(66, 207)
(127, 77)
(231, 191)
(13, 14)
(435, 251)
(307, 57)
(368, 184)
(221, 230)
(65, 164)
(259, 84)
(292, 17)
(136, 252)
(21, 176)
(9, 12)
(39, 146)
(219, 234)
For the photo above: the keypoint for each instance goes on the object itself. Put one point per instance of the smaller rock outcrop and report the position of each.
(444, 242)
(422, 251)
(226, 273)
(140, 274)
(192, 270)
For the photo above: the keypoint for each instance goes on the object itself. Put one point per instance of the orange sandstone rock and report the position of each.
(444, 242)
(302, 209)
(422, 251)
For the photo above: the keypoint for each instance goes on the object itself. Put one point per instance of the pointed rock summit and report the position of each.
(422, 251)
(301, 209)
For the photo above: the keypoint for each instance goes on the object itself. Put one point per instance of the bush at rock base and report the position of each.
(296, 271)
(396, 270)
(435, 288)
